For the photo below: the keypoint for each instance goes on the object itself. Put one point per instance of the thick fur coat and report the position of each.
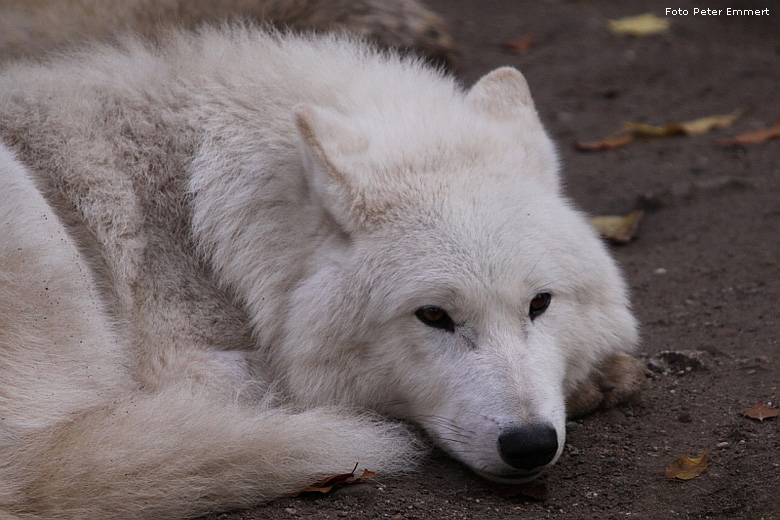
(222, 254)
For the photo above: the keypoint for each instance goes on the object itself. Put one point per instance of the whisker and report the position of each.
(537, 263)
(439, 418)
(445, 423)
(456, 441)
(459, 434)
(454, 431)
(552, 282)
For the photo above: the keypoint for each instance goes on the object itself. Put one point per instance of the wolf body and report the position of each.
(223, 254)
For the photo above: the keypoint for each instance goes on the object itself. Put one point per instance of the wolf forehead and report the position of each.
(450, 171)
(392, 154)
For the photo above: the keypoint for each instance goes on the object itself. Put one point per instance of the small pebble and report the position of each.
(723, 444)
(660, 270)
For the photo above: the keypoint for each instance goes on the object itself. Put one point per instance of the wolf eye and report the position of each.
(539, 304)
(435, 317)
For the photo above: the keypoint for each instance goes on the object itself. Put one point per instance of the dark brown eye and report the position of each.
(435, 317)
(539, 304)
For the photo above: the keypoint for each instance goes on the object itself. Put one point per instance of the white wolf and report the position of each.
(219, 253)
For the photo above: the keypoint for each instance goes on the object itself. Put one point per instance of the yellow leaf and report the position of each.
(697, 126)
(641, 25)
(686, 468)
(617, 228)
(705, 124)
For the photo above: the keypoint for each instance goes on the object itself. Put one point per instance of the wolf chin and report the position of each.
(226, 257)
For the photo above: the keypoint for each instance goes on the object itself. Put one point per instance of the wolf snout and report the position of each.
(528, 447)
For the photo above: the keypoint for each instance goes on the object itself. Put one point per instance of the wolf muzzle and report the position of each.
(528, 447)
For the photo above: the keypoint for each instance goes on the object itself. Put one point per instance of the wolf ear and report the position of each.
(502, 93)
(331, 152)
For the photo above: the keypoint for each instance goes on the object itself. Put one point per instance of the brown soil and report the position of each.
(704, 270)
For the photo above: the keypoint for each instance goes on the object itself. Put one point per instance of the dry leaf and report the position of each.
(619, 229)
(755, 137)
(633, 130)
(641, 129)
(761, 411)
(705, 124)
(521, 44)
(686, 468)
(640, 25)
(697, 126)
(327, 485)
(608, 143)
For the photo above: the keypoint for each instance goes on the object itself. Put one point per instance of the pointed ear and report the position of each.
(502, 93)
(331, 152)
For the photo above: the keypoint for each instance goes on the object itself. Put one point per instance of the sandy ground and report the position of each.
(703, 271)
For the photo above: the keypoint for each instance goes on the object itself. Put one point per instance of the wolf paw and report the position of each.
(403, 24)
(620, 378)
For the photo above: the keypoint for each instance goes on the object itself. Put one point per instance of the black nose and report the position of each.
(528, 447)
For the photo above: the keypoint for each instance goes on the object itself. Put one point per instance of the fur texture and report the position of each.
(215, 252)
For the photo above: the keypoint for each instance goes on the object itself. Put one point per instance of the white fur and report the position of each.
(234, 213)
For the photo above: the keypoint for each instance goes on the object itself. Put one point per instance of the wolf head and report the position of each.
(455, 286)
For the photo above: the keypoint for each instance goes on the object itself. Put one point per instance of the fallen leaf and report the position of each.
(631, 131)
(327, 485)
(617, 228)
(608, 143)
(705, 124)
(761, 411)
(521, 44)
(686, 468)
(641, 25)
(644, 130)
(695, 127)
(755, 137)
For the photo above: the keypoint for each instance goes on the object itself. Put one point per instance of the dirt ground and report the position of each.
(703, 271)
